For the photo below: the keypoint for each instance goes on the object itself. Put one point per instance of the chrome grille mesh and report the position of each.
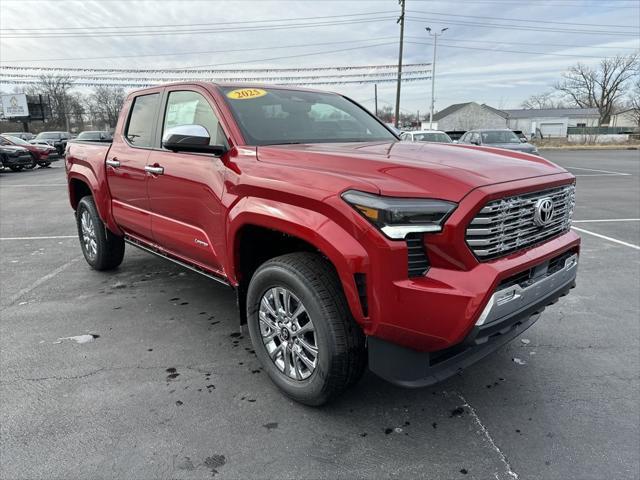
(506, 225)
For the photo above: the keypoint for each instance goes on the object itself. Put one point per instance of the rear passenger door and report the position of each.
(125, 167)
(185, 195)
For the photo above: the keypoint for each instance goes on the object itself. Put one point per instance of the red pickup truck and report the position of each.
(346, 247)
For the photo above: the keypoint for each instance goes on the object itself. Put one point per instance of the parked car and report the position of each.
(498, 138)
(344, 245)
(55, 139)
(95, 136)
(42, 155)
(14, 157)
(431, 136)
(23, 135)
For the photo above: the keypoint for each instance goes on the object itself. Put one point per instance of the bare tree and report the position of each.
(634, 102)
(56, 87)
(601, 87)
(106, 103)
(542, 100)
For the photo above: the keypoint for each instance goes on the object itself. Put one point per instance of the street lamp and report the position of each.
(433, 70)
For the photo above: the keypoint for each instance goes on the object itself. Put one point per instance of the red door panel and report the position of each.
(185, 201)
(128, 186)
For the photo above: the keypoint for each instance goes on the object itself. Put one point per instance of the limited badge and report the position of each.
(246, 93)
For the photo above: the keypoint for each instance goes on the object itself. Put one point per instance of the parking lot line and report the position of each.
(608, 172)
(55, 237)
(40, 281)
(604, 237)
(603, 220)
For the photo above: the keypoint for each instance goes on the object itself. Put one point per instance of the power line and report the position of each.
(521, 27)
(198, 52)
(98, 34)
(260, 60)
(537, 43)
(510, 51)
(525, 20)
(172, 25)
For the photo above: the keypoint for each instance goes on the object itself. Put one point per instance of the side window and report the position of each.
(404, 136)
(464, 138)
(191, 108)
(139, 131)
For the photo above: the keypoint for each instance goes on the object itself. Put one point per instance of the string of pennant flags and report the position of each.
(105, 82)
(63, 70)
(73, 77)
(139, 78)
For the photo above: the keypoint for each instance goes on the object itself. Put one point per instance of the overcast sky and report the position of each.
(473, 59)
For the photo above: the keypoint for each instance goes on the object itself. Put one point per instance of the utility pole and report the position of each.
(375, 95)
(433, 71)
(401, 22)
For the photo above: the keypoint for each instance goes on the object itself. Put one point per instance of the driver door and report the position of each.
(185, 189)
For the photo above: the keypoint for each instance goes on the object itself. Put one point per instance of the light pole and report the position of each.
(433, 71)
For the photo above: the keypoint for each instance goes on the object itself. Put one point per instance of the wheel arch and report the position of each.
(253, 221)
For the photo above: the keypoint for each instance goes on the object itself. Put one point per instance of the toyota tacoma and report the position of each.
(346, 247)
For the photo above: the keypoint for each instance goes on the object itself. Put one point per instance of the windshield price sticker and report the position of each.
(246, 93)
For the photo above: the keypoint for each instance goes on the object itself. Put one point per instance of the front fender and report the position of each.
(345, 253)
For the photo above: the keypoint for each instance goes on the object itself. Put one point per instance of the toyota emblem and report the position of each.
(543, 212)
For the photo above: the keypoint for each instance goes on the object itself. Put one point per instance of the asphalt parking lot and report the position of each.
(167, 388)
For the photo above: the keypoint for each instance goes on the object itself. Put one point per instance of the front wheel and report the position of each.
(15, 168)
(102, 249)
(302, 329)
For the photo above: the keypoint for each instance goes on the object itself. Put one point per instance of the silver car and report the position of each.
(503, 138)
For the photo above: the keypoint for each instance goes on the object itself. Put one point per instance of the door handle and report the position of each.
(114, 162)
(154, 170)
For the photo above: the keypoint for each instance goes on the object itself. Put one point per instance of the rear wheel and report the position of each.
(102, 249)
(44, 164)
(302, 329)
(16, 168)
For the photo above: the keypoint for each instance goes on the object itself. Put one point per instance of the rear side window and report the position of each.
(186, 107)
(139, 131)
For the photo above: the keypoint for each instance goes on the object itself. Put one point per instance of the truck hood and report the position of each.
(412, 169)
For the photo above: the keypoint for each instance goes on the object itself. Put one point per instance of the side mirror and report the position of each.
(191, 138)
(475, 142)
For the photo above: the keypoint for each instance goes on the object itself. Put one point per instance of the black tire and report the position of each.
(34, 162)
(109, 247)
(44, 164)
(340, 342)
(15, 168)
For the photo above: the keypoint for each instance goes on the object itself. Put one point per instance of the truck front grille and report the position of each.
(510, 224)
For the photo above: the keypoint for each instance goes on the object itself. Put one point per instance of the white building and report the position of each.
(551, 122)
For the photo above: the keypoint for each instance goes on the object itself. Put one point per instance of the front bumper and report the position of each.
(22, 160)
(512, 308)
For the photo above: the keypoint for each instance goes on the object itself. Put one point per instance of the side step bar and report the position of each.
(193, 268)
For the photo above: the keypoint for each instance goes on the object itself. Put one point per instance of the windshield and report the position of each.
(49, 135)
(499, 136)
(16, 140)
(437, 137)
(275, 116)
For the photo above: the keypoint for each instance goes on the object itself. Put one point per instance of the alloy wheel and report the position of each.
(288, 333)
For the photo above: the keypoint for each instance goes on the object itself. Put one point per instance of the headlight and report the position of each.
(397, 217)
